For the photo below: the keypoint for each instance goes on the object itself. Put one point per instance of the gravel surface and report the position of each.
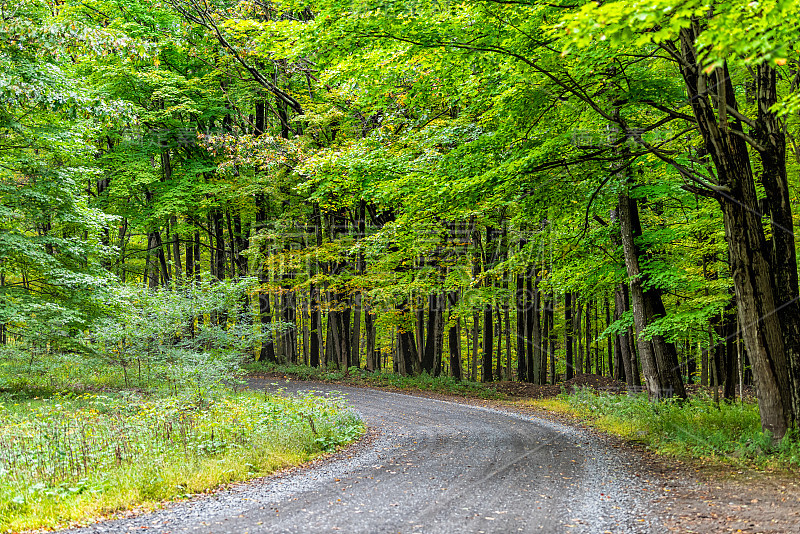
(428, 466)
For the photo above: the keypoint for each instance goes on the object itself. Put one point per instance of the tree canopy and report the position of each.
(495, 190)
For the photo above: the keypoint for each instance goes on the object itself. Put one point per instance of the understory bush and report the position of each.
(190, 338)
(147, 403)
(696, 428)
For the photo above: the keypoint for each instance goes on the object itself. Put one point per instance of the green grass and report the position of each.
(697, 429)
(74, 446)
(356, 376)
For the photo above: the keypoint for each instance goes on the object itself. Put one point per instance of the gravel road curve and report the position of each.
(432, 466)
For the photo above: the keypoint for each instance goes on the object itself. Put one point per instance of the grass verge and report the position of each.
(696, 430)
(70, 457)
(357, 376)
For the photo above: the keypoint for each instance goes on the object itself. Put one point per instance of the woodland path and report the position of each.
(430, 466)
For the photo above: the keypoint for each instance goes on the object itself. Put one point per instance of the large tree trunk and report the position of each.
(661, 376)
(755, 282)
(769, 132)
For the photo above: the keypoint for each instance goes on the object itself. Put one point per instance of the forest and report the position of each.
(489, 190)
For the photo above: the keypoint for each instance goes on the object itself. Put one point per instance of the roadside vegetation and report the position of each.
(147, 412)
(698, 429)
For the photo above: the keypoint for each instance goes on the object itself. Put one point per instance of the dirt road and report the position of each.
(431, 466)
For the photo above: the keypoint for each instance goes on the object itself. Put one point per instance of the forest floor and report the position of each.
(696, 497)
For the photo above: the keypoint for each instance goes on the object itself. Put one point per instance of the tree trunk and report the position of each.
(151, 265)
(373, 361)
(661, 377)
(532, 334)
(783, 256)
(315, 309)
(407, 357)
(754, 280)
(704, 368)
(729, 336)
(624, 355)
(355, 343)
(314, 326)
(265, 314)
(498, 375)
(550, 314)
(304, 314)
(568, 337)
(488, 343)
(242, 243)
(507, 319)
(522, 370)
(577, 318)
(197, 255)
(610, 344)
(289, 336)
(231, 243)
(587, 329)
(419, 314)
(432, 361)
(338, 349)
(264, 309)
(176, 248)
(219, 246)
(475, 342)
(454, 339)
